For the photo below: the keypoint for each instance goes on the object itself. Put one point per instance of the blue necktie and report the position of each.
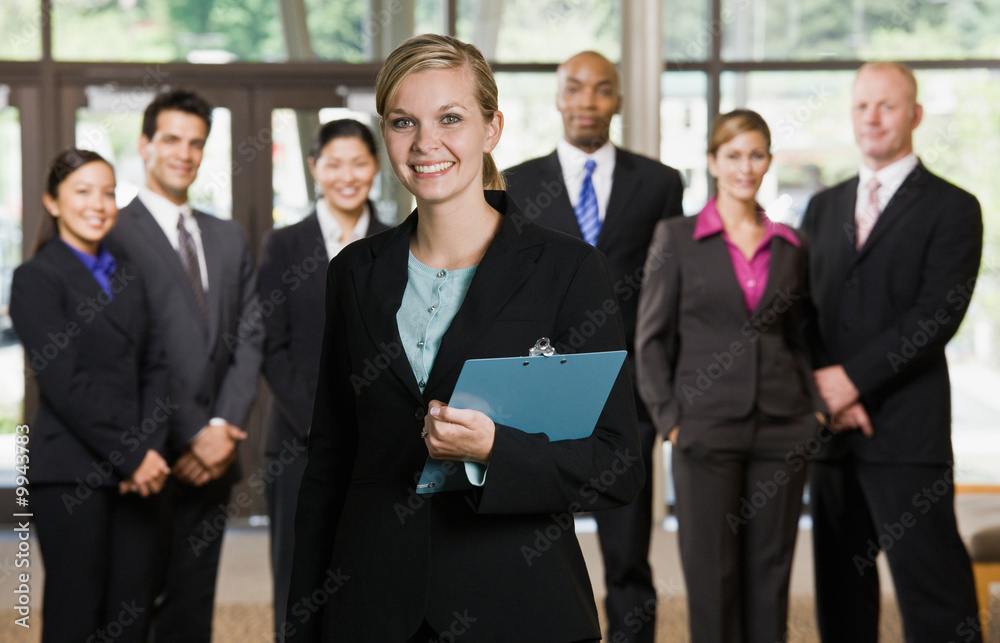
(586, 207)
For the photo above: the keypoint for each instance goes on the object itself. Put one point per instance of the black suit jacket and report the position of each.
(698, 352)
(504, 554)
(886, 312)
(100, 370)
(214, 363)
(291, 285)
(643, 192)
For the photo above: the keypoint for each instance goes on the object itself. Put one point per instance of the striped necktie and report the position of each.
(188, 251)
(586, 207)
(867, 211)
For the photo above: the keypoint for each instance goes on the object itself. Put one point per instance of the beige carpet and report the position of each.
(251, 623)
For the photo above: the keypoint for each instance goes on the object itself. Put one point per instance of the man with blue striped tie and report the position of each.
(612, 199)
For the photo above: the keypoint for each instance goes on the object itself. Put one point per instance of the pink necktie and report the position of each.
(867, 211)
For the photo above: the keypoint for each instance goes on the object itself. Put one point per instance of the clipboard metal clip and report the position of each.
(542, 347)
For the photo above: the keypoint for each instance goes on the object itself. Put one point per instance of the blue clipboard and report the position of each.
(561, 396)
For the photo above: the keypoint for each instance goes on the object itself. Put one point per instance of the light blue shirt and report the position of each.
(430, 302)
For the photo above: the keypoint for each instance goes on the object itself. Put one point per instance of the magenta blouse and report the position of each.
(750, 273)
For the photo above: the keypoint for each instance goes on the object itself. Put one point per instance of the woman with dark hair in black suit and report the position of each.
(344, 163)
(95, 444)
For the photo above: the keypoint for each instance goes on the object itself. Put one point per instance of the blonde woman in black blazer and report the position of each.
(95, 444)
(723, 369)
(500, 562)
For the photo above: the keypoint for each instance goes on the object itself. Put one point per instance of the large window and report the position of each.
(11, 354)
(20, 31)
(540, 30)
(859, 30)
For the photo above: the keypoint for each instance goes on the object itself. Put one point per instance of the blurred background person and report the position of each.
(885, 304)
(723, 369)
(203, 292)
(344, 162)
(612, 199)
(95, 456)
(463, 277)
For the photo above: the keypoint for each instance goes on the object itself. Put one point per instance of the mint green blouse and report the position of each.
(430, 301)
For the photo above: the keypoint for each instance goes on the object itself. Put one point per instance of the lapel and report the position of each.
(713, 253)
(380, 285)
(83, 285)
(781, 264)
(211, 243)
(894, 209)
(507, 264)
(624, 183)
(561, 214)
(156, 242)
(311, 236)
(843, 236)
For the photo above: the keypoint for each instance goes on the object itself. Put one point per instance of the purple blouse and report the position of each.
(750, 273)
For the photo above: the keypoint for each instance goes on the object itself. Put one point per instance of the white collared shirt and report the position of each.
(572, 160)
(890, 178)
(332, 232)
(166, 212)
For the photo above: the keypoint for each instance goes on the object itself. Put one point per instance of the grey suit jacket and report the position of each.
(213, 362)
(698, 352)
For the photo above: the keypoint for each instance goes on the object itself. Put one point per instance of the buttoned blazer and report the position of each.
(213, 360)
(699, 354)
(505, 554)
(886, 312)
(643, 192)
(100, 370)
(291, 284)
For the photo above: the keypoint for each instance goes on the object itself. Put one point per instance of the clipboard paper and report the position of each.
(561, 396)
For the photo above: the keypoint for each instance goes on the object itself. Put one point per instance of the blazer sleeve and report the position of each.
(239, 386)
(154, 378)
(673, 205)
(814, 340)
(333, 441)
(530, 474)
(797, 328)
(291, 390)
(949, 272)
(40, 310)
(657, 337)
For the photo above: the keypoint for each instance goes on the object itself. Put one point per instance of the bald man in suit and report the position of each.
(613, 199)
(894, 256)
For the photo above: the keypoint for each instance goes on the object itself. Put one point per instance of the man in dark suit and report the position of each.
(895, 252)
(199, 273)
(613, 199)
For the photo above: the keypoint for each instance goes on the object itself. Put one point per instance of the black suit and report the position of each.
(885, 313)
(214, 364)
(291, 285)
(103, 405)
(740, 388)
(643, 192)
(500, 563)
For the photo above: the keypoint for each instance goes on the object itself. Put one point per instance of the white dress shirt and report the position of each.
(890, 178)
(332, 232)
(166, 212)
(572, 160)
